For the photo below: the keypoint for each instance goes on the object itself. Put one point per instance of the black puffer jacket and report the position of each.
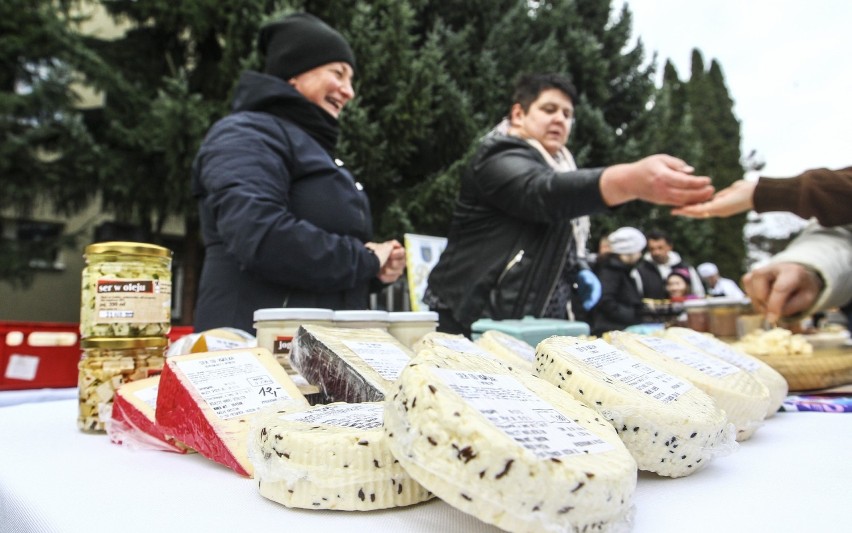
(510, 233)
(283, 224)
(621, 302)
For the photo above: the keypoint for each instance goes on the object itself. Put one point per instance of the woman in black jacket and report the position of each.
(284, 224)
(620, 305)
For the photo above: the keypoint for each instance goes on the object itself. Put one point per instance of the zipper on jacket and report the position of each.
(510, 265)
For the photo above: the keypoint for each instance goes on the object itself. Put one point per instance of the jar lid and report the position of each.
(120, 343)
(128, 248)
(361, 316)
(718, 301)
(413, 316)
(695, 302)
(293, 313)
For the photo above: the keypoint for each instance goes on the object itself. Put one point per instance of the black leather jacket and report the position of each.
(510, 234)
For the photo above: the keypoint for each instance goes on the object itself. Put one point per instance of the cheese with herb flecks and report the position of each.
(348, 364)
(133, 423)
(507, 447)
(771, 378)
(744, 399)
(670, 427)
(508, 349)
(332, 456)
(207, 400)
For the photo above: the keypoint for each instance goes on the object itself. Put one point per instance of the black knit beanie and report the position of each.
(299, 43)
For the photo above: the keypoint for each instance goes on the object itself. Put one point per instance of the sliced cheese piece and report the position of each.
(671, 427)
(133, 423)
(333, 456)
(507, 447)
(509, 349)
(206, 400)
(771, 378)
(744, 399)
(217, 339)
(347, 364)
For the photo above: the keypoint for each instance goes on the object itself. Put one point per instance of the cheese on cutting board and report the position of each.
(207, 400)
(507, 447)
(744, 399)
(509, 349)
(133, 423)
(771, 378)
(348, 364)
(333, 456)
(671, 427)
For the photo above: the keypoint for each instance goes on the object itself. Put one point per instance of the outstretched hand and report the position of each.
(734, 199)
(659, 179)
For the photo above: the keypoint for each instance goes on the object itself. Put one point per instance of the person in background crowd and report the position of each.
(512, 248)
(678, 287)
(620, 305)
(813, 273)
(661, 253)
(821, 193)
(284, 224)
(716, 284)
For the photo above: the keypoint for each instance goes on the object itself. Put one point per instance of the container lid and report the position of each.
(413, 316)
(361, 316)
(718, 301)
(121, 343)
(293, 313)
(695, 303)
(128, 248)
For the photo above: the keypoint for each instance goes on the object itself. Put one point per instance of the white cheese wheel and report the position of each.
(349, 365)
(509, 349)
(771, 378)
(744, 399)
(507, 447)
(671, 427)
(332, 456)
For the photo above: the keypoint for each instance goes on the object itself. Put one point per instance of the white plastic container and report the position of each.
(276, 328)
(409, 326)
(361, 319)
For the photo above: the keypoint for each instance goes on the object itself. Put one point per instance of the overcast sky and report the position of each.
(787, 65)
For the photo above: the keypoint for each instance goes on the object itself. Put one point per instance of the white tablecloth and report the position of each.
(794, 475)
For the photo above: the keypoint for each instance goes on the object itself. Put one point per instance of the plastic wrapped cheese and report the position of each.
(207, 400)
(771, 378)
(349, 365)
(332, 456)
(509, 349)
(671, 427)
(133, 422)
(507, 447)
(744, 399)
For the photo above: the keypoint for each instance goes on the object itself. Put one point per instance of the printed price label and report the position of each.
(148, 395)
(463, 346)
(356, 415)
(385, 358)
(233, 385)
(629, 370)
(523, 416)
(693, 358)
(721, 350)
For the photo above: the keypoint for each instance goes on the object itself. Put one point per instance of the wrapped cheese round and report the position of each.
(331, 456)
(670, 426)
(507, 447)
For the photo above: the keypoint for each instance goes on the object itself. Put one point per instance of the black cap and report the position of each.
(299, 43)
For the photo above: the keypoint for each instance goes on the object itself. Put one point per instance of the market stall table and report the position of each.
(793, 475)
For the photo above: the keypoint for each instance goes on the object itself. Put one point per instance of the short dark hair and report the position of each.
(530, 86)
(658, 234)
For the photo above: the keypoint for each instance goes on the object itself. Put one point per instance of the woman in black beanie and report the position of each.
(284, 224)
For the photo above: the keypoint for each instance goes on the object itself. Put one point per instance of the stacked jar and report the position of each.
(277, 327)
(125, 317)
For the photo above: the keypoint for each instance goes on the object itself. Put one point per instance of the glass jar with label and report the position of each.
(276, 328)
(126, 290)
(105, 365)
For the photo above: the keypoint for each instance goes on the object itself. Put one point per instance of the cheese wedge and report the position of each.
(333, 456)
(508, 349)
(671, 427)
(207, 400)
(744, 399)
(347, 364)
(133, 423)
(507, 447)
(771, 378)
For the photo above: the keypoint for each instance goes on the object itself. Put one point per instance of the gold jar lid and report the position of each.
(123, 343)
(128, 248)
